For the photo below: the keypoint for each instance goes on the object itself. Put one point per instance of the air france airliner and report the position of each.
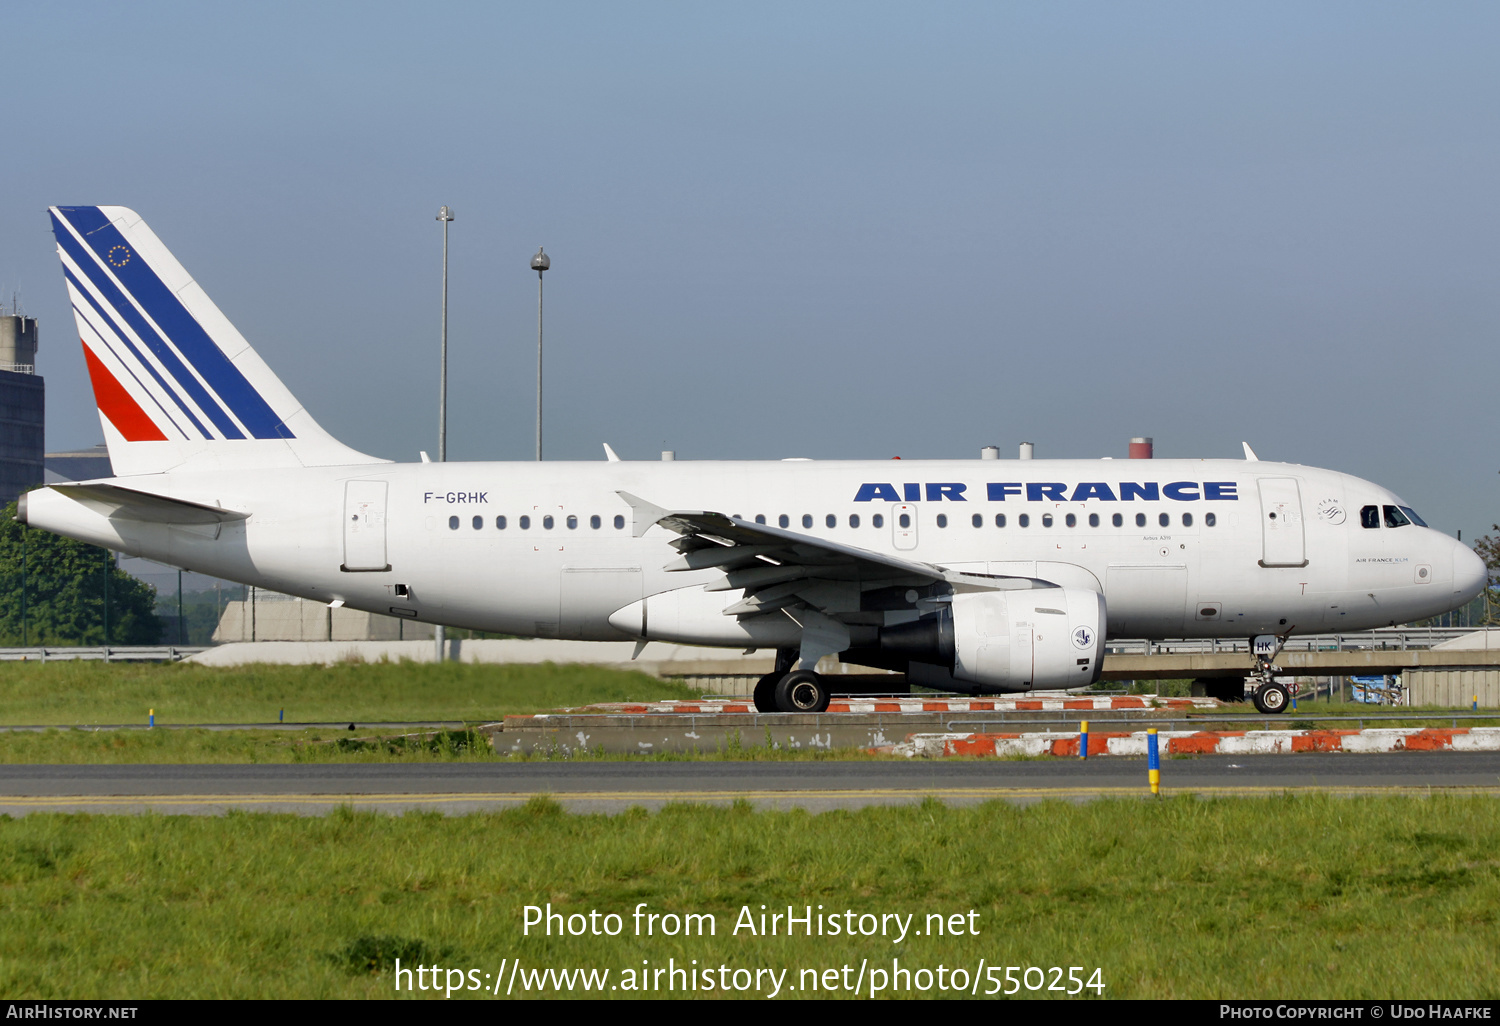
(981, 576)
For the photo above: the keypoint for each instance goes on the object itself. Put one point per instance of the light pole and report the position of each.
(539, 264)
(445, 215)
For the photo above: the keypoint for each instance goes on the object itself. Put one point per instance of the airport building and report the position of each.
(268, 616)
(78, 465)
(23, 408)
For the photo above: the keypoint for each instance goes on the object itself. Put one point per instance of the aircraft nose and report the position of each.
(1470, 575)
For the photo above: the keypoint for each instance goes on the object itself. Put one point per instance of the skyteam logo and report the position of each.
(1083, 637)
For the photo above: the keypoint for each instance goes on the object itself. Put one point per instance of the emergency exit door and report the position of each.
(1282, 541)
(364, 526)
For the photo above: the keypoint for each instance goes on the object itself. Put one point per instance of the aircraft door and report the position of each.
(364, 526)
(1281, 523)
(904, 525)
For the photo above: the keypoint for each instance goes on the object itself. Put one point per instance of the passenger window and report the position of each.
(595, 522)
(619, 522)
(1117, 520)
(878, 520)
(942, 520)
(1411, 515)
(760, 518)
(1024, 520)
(1187, 520)
(478, 523)
(1210, 519)
(999, 519)
(1369, 516)
(1140, 520)
(524, 523)
(1395, 518)
(453, 523)
(831, 520)
(977, 520)
(1046, 519)
(572, 522)
(499, 523)
(1093, 520)
(807, 520)
(1071, 520)
(1164, 519)
(906, 520)
(853, 519)
(547, 521)
(784, 520)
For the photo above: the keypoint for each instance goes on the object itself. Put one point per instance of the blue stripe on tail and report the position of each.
(114, 327)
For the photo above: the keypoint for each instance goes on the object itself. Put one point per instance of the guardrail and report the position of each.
(103, 653)
(18, 368)
(1385, 639)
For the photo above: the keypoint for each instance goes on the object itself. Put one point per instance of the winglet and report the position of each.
(1250, 453)
(610, 454)
(646, 513)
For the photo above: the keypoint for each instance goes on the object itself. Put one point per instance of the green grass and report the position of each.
(195, 746)
(1298, 896)
(86, 693)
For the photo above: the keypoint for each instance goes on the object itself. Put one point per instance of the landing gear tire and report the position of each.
(765, 692)
(802, 691)
(1272, 698)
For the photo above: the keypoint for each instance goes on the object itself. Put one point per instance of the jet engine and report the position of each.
(998, 641)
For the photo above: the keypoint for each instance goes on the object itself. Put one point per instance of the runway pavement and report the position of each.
(817, 786)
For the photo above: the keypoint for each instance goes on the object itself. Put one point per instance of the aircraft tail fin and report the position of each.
(175, 383)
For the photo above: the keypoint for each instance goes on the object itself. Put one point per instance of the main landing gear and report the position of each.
(787, 690)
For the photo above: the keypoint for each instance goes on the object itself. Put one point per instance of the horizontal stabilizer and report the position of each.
(128, 504)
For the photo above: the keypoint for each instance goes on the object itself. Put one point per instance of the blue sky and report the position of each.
(827, 230)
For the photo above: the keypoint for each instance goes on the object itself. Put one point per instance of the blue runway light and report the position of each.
(1083, 739)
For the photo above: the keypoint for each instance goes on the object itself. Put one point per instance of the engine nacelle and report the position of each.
(1005, 641)
(1016, 640)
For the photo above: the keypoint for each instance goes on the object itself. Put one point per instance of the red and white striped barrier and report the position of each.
(905, 704)
(1206, 742)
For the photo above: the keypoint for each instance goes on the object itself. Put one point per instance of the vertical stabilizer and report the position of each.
(175, 383)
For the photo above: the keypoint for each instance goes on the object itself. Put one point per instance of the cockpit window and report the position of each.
(1369, 517)
(1395, 518)
(1411, 515)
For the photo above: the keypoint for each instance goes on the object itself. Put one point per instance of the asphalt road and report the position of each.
(817, 786)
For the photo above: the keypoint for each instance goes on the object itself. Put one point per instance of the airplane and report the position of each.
(979, 576)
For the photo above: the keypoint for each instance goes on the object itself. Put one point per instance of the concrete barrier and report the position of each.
(1207, 742)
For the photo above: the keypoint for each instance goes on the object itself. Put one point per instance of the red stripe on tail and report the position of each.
(115, 403)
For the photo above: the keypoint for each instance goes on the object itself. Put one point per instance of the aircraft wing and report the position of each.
(778, 568)
(129, 504)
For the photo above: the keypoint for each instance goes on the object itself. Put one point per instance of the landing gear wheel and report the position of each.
(1272, 698)
(802, 691)
(765, 692)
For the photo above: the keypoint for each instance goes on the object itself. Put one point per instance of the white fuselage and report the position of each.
(1208, 560)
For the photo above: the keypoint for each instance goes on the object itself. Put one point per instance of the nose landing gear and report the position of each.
(1269, 697)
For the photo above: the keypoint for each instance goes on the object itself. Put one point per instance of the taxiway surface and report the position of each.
(817, 786)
